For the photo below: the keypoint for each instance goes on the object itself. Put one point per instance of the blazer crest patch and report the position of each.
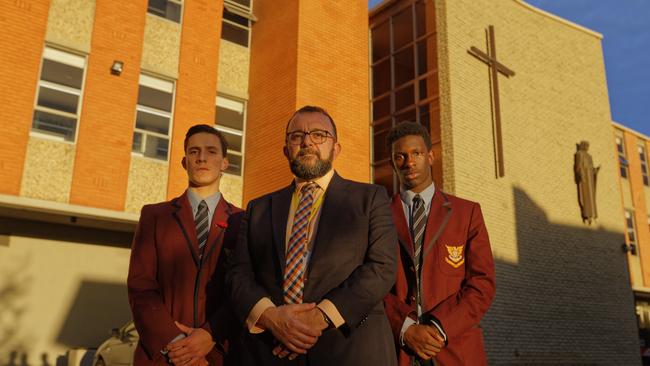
(455, 255)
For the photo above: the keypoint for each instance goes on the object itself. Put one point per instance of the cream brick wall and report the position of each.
(231, 188)
(48, 170)
(552, 270)
(234, 62)
(70, 23)
(160, 50)
(147, 183)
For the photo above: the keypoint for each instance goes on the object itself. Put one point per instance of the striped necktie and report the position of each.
(297, 247)
(202, 225)
(419, 222)
(418, 225)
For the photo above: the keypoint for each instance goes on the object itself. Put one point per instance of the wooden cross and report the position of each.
(495, 67)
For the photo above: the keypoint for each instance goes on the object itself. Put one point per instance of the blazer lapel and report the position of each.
(403, 232)
(280, 204)
(439, 215)
(217, 227)
(183, 215)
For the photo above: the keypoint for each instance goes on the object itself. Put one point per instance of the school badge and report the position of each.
(455, 257)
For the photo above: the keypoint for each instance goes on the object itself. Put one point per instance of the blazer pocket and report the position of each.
(451, 257)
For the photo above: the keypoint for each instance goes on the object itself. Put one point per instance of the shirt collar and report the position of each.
(427, 195)
(211, 200)
(322, 182)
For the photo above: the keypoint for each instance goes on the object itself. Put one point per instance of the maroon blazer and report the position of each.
(168, 281)
(458, 282)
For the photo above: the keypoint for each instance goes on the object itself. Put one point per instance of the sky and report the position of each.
(625, 26)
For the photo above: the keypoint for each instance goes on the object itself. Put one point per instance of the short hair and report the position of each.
(408, 129)
(313, 109)
(202, 128)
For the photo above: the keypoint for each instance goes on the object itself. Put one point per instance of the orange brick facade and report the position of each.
(638, 192)
(196, 89)
(25, 23)
(108, 110)
(272, 89)
(296, 55)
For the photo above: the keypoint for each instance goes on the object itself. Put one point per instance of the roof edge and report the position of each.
(559, 19)
(628, 129)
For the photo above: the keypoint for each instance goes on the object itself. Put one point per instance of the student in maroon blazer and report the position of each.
(175, 285)
(437, 321)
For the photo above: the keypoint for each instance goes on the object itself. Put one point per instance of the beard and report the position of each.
(305, 171)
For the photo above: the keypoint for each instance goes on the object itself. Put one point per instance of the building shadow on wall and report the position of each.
(97, 308)
(14, 289)
(568, 298)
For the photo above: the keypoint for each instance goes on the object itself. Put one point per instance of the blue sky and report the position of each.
(625, 26)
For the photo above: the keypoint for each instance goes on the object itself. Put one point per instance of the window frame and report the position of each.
(643, 157)
(239, 10)
(180, 3)
(623, 170)
(234, 131)
(629, 219)
(67, 57)
(420, 98)
(149, 80)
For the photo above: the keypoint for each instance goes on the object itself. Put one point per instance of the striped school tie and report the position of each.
(419, 222)
(297, 248)
(202, 225)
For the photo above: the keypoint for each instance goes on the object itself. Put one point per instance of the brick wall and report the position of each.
(563, 294)
(638, 190)
(196, 89)
(24, 24)
(108, 111)
(315, 53)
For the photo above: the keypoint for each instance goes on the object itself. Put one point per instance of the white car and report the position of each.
(119, 348)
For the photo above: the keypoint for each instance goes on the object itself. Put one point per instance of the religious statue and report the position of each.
(585, 175)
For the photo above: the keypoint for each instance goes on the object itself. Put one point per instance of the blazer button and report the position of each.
(412, 297)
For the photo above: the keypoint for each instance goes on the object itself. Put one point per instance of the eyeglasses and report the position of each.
(317, 136)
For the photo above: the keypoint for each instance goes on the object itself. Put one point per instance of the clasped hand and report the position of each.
(425, 340)
(296, 326)
(191, 350)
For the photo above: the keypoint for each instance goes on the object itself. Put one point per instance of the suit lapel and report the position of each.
(333, 203)
(439, 215)
(217, 227)
(335, 200)
(280, 204)
(403, 232)
(183, 215)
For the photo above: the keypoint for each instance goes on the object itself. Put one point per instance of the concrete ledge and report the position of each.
(65, 213)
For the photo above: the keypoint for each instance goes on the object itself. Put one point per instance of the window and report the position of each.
(59, 94)
(237, 19)
(168, 9)
(230, 120)
(622, 161)
(644, 165)
(153, 118)
(404, 79)
(629, 223)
